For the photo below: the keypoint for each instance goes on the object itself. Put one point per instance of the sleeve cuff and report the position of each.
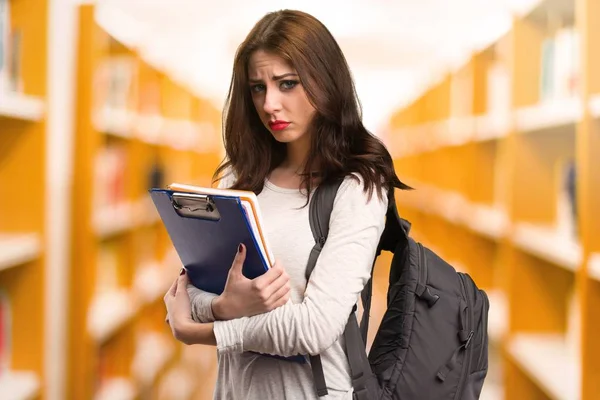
(201, 304)
(229, 335)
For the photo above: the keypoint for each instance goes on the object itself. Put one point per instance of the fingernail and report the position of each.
(182, 271)
(240, 248)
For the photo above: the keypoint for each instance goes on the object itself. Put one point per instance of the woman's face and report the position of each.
(279, 97)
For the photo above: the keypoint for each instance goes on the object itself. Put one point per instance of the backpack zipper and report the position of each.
(484, 328)
(466, 365)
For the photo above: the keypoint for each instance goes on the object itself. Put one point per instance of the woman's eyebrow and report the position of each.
(279, 77)
(275, 77)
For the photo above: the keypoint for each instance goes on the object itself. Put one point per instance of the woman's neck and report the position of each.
(297, 155)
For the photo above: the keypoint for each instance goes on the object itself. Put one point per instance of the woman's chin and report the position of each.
(287, 135)
(282, 136)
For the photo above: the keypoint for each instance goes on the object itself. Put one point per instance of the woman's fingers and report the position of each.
(178, 285)
(280, 282)
(182, 282)
(172, 290)
(279, 298)
(266, 279)
(238, 261)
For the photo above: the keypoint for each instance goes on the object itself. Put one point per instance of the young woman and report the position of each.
(292, 122)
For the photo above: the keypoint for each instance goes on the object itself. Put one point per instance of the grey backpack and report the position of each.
(432, 342)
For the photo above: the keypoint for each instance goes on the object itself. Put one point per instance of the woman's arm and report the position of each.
(179, 315)
(202, 304)
(241, 297)
(341, 272)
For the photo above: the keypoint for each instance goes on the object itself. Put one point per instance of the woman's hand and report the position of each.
(179, 309)
(243, 297)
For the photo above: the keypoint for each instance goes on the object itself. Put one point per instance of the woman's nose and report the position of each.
(272, 102)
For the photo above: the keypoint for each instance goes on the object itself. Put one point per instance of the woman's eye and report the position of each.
(287, 85)
(258, 88)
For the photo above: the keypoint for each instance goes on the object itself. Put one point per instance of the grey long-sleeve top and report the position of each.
(313, 321)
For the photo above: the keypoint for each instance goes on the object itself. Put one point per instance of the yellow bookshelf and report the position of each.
(137, 128)
(587, 150)
(490, 148)
(22, 230)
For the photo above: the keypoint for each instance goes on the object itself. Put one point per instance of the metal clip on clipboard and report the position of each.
(192, 205)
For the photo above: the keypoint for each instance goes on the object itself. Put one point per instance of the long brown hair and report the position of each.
(340, 144)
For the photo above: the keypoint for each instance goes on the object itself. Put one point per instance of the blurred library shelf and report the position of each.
(548, 244)
(594, 266)
(117, 389)
(18, 249)
(19, 385)
(502, 153)
(548, 361)
(22, 107)
(564, 113)
(135, 128)
(22, 231)
(595, 105)
(148, 362)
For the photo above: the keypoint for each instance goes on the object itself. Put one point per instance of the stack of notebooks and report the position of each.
(206, 226)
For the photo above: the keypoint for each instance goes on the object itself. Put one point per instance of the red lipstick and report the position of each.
(278, 125)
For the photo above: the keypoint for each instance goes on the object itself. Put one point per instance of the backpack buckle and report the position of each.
(361, 394)
(424, 293)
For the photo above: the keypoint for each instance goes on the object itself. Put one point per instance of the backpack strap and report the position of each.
(360, 369)
(396, 229)
(365, 297)
(321, 205)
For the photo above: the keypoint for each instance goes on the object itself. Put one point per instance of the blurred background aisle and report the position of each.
(490, 109)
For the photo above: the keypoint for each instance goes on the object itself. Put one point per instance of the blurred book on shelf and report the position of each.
(15, 79)
(156, 174)
(11, 79)
(559, 69)
(566, 206)
(115, 87)
(4, 43)
(109, 180)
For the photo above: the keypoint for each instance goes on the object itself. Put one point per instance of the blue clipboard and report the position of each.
(206, 231)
